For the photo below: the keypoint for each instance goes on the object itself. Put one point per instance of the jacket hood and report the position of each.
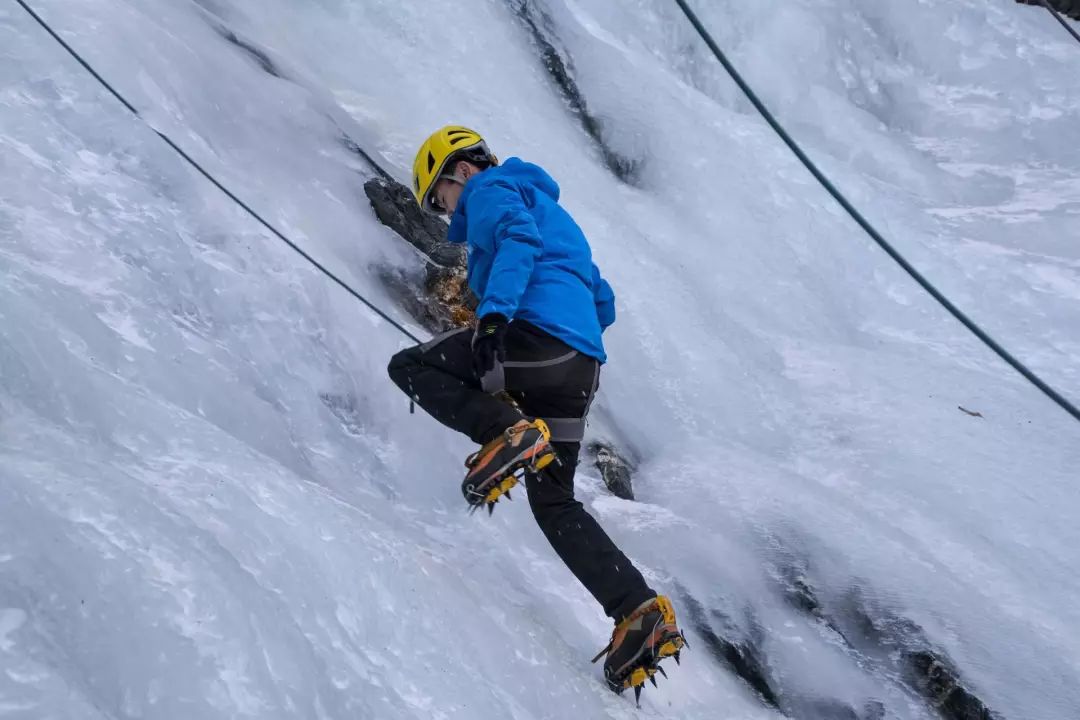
(517, 170)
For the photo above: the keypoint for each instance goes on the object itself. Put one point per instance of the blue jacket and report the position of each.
(528, 259)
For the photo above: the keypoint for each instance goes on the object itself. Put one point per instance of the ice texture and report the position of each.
(214, 504)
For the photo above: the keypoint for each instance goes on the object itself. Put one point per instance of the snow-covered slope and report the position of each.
(214, 504)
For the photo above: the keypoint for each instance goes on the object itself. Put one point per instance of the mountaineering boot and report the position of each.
(645, 637)
(525, 446)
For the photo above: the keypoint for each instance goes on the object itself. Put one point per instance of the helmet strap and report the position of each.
(453, 177)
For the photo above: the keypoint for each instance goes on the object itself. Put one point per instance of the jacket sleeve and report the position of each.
(604, 297)
(500, 224)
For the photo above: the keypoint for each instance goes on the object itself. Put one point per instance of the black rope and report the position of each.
(1053, 11)
(747, 90)
(865, 224)
(205, 173)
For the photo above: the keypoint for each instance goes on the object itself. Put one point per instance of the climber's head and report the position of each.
(443, 165)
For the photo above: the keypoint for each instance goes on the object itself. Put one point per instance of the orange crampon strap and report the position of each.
(489, 445)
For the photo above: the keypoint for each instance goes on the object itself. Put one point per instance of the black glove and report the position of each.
(488, 345)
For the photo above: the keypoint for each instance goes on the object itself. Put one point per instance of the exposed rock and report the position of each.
(742, 657)
(743, 653)
(440, 298)
(926, 669)
(894, 641)
(557, 62)
(615, 470)
(937, 680)
(396, 208)
(425, 297)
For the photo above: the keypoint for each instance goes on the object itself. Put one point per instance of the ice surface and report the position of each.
(213, 503)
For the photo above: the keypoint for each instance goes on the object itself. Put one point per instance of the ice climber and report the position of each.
(520, 384)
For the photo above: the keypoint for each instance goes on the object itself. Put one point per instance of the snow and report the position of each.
(214, 504)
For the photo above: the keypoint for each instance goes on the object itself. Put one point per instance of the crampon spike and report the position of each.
(491, 509)
(637, 695)
(662, 671)
(652, 679)
(676, 656)
(508, 495)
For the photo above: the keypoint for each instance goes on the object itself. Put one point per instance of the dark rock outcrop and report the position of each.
(559, 67)
(743, 657)
(397, 209)
(939, 681)
(896, 642)
(439, 298)
(742, 652)
(418, 295)
(615, 470)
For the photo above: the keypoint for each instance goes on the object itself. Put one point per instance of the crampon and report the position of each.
(639, 643)
(500, 464)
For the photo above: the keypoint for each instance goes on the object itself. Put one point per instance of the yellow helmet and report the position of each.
(452, 142)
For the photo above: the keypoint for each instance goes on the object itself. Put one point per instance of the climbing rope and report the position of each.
(747, 90)
(865, 224)
(1053, 11)
(218, 184)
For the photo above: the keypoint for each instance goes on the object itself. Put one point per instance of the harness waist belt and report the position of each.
(566, 429)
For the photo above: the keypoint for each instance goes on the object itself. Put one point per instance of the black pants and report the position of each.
(547, 379)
